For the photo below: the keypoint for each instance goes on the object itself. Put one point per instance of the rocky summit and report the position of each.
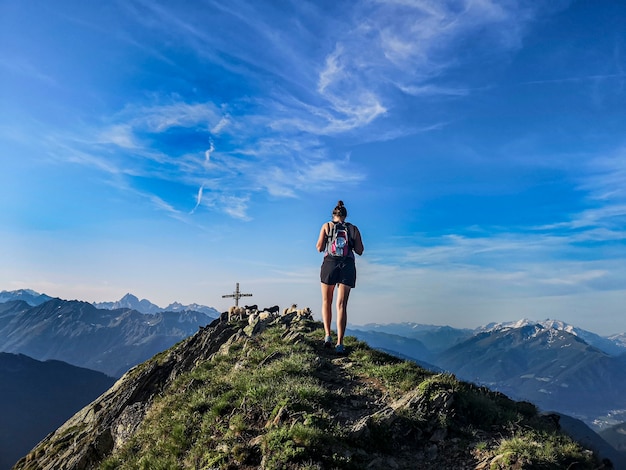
(268, 395)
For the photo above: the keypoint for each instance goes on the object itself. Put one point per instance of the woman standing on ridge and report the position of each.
(339, 240)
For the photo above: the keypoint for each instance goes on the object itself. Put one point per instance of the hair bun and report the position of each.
(340, 210)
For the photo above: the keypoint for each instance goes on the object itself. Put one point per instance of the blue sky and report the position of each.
(172, 149)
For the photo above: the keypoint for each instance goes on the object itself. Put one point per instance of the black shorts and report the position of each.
(338, 271)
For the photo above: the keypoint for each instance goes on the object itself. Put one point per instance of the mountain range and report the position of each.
(439, 338)
(36, 397)
(27, 295)
(109, 341)
(552, 364)
(127, 301)
(270, 395)
(145, 306)
(555, 369)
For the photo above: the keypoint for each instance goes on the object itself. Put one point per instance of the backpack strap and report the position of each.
(349, 231)
(329, 232)
(329, 235)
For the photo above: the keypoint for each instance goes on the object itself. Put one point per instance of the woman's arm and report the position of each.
(358, 243)
(321, 240)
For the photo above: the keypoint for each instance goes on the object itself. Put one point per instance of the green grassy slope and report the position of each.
(272, 397)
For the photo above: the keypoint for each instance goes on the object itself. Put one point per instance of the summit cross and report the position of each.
(237, 295)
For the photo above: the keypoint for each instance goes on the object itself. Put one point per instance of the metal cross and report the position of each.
(237, 295)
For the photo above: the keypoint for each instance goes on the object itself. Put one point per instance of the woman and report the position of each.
(338, 269)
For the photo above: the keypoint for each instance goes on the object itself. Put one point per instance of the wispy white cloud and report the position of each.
(476, 295)
(510, 248)
(236, 207)
(605, 178)
(270, 137)
(332, 72)
(467, 284)
(160, 118)
(611, 215)
(309, 177)
(506, 249)
(433, 90)
(408, 43)
(585, 78)
(222, 124)
(329, 172)
(522, 263)
(375, 44)
(26, 69)
(121, 135)
(163, 205)
(64, 149)
(208, 152)
(198, 199)
(577, 278)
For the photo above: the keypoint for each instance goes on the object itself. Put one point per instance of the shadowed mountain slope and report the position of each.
(37, 397)
(270, 396)
(616, 436)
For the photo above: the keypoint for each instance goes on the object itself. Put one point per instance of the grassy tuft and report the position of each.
(541, 450)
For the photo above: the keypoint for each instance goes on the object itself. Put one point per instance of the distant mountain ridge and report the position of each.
(127, 301)
(110, 341)
(551, 367)
(433, 338)
(132, 302)
(551, 363)
(145, 306)
(613, 344)
(438, 338)
(27, 295)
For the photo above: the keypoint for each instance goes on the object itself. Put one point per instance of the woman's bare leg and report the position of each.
(327, 306)
(343, 292)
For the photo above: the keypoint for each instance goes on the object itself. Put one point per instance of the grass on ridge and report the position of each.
(266, 402)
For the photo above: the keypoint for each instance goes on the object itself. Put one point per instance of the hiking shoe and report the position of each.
(328, 342)
(339, 349)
